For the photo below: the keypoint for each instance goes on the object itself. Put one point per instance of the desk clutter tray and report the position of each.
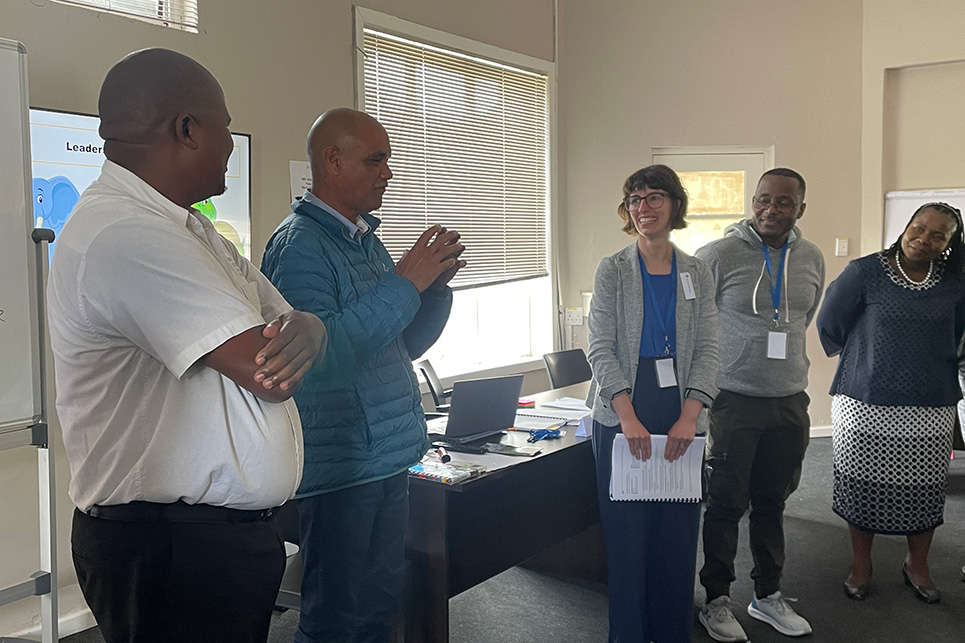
(449, 472)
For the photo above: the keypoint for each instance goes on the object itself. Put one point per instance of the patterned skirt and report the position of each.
(890, 465)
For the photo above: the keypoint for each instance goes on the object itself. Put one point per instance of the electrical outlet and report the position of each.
(573, 316)
(841, 247)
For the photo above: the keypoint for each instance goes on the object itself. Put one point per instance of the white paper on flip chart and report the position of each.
(656, 479)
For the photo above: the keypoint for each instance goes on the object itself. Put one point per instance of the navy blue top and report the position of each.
(652, 342)
(898, 346)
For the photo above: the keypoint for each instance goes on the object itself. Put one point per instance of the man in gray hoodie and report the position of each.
(769, 283)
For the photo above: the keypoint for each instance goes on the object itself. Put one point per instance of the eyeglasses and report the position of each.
(654, 200)
(783, 206)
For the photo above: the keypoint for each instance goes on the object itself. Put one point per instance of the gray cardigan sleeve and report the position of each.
(701, 384)
(603, 325)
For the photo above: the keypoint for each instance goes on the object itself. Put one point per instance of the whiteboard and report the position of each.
(899, 206)
(20, 336)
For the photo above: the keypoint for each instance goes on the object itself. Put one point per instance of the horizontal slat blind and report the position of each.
(179, 14)
(470, 151)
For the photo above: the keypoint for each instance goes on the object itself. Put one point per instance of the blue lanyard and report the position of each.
(776, 288)
(663, 316)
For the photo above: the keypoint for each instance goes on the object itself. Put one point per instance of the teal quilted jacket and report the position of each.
(360, 406)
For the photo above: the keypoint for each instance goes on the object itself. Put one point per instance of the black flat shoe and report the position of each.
(926, 594)
(857, 592)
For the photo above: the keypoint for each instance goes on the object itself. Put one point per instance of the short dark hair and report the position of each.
(788, 172)
(952, 261)
(656, 177)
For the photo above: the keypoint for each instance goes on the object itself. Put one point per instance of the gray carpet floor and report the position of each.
(524, 606)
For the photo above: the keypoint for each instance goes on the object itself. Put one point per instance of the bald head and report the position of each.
(164, 118)
(144, 92)
(339, 128)
(349, 154)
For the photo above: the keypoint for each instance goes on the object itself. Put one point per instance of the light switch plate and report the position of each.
(841, 247)
(573, 316)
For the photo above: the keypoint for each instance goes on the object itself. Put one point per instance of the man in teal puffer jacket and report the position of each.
(360, 407)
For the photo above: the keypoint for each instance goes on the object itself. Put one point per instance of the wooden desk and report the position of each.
(460, 535)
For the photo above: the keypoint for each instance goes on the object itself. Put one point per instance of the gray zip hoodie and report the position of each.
(746, 311)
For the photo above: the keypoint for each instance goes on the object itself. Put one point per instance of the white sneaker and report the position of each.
(717, 617)
(775, 611)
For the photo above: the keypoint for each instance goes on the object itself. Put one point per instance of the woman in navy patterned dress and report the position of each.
(896, 317)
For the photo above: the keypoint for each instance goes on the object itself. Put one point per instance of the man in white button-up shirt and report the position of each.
(175, 362)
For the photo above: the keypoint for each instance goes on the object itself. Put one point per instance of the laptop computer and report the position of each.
(478, 409)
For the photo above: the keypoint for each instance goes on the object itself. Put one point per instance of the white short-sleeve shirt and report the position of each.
(139, 291)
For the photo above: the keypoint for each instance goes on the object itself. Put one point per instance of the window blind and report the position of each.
(178, 14)
(470, 151)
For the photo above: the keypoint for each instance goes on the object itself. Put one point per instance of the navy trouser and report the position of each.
(757, 446)
(353, 559)
(651, 546)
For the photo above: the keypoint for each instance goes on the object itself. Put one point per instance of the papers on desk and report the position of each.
(565, 411)
(568, 403)
(562, 412)
(536, 423)
(656, 479)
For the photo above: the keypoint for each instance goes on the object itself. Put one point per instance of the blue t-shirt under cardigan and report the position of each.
(664, 287)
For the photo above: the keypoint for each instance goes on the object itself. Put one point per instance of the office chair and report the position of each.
(440, 395)
(567, 367)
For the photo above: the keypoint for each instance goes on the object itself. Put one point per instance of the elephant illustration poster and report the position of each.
(67, 155)
(54, 200)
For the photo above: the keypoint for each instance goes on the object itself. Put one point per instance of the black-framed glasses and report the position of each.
(654, 200)
(783, 206)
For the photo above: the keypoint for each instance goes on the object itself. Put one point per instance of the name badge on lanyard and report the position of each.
(776, 339)
(665, 372)
(688, 285)
(666, 375)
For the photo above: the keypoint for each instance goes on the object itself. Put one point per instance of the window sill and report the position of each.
(528, 365)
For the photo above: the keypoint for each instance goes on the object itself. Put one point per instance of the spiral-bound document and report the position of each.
(656, 478)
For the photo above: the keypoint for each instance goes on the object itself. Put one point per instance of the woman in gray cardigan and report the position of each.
(653, 351)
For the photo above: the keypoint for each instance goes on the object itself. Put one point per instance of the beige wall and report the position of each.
(924, 128)
(906, 50)
(758, 72)
(281, 63)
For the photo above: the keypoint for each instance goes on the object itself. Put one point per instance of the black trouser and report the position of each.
(757, 445)
(150, 580)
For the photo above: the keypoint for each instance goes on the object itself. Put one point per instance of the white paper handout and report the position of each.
(656, 479)
(569, 403)
(300, 176)
(531, 423)
(562, 416)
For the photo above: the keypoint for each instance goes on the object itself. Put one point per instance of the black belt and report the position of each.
(180, 511)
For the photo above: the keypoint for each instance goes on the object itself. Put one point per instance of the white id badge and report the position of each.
(776, 345)
(665, 373)
(688, 285)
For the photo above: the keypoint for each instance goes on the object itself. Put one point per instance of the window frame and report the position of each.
(185, 26)
(371, 19)
(710, 153)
